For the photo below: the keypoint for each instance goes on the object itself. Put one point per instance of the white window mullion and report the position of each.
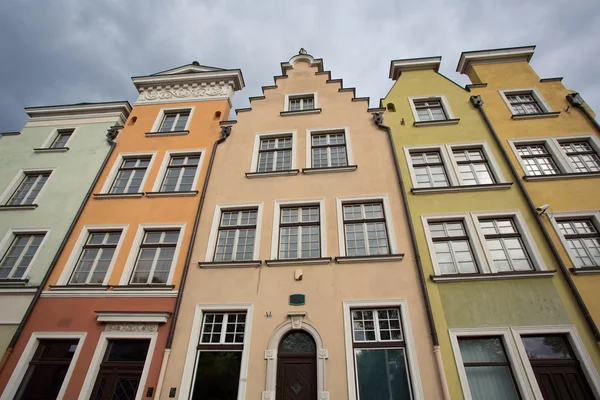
(274, 167)
(223, 328)
(25, 249)
(175, 121)
(35, 183)
(154, 262)
(94, 265)
(235, 244)
(376, 325)
(180, 176)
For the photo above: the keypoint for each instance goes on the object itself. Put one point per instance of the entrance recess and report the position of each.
(297, 367)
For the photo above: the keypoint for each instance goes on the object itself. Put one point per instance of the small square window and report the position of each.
(430, 110)
(524, 103)
(301, 103)
(583, 241)
(329, 150)
(63, 136)
(537, 160)
(155, 257)
(453, 250)
(180, 173)
(236, 235)
(130, 175)
(174, 121)
(20, 253)
(29, 188)
(429, 169)
(275, 154)
(582, 156)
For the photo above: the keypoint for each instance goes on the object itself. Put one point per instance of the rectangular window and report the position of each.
(47, 369)
(18, 257)
(430, 110)
(452, 247)
(180, 173)
(174, 121)
(155, 257)
(473, 167)
(582, 156)
(429, 169)
(583, 241)
(329, 150)
(537, 160)
(524, 103)
(219, 356)
(365, 229)
(301, 103)
(505, 245)
(380, 359)
(488, 369)
(29, 188)
(61, 139)
(95, 258)
(130, 175)
(237, 233)
(299, 232)
(275, 154)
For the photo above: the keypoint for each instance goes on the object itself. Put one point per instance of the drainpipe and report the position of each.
(576, 101)
(225, 132)
(378, 119)
(477, 102)
(111, 134)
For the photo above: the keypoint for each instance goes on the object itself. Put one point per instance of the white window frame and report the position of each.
(387, 213)
(54, 135)
(30, 348)
(265, 135)
(434, 97)
(311, 131)
(167, 159)
(94, 368)
(114, 170)
(288, 97)
(528, 241)
(216, 222)
(552, 144)
(450, 164)
(71, 263)
(161, 116)
(279, 204)
(411, 351)
(16, 182)
(532, 91)
(474, 242)
(135, 248)
(8, 238)
(190, 359)
(511, 354)
(576, 343)
(555, 218)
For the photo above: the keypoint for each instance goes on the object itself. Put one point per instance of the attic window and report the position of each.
(391, 107)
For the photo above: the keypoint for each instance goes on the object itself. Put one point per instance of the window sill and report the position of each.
(51, 150)
(191, 193)
(439, 122)
(143, 287)
(272, 173)
(300, 112)
(561, 176)
(174, 133)
(533, 116)
(298, 261)
(67, 288)
(101, 196)
(363, 259)
(13, 282)
(230, 264)
(463, 188)
(347, 168)
(490, 276)
(18, 207)
(586, 270)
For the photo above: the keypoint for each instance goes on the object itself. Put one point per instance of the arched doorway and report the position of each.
(297, 367)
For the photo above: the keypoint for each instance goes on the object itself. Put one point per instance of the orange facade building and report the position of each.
(107, 307)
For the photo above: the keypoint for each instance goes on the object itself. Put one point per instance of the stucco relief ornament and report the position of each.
(268, 395)
(183, 93)
(302, 51)
(132, 327)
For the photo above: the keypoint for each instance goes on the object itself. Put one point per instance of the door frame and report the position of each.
(296, 321)
(295, 356)
(92, 374)
(591, 374)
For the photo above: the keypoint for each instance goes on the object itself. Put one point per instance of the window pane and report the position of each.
(363, 325)
(546, 347)
(127, 350)
(491, 383)
(382, 374)
(482, 350)
(217, 375)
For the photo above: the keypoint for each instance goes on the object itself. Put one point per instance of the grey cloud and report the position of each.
(68, 51)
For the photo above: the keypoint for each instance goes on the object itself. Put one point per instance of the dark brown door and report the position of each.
(121, 370)
(557, 370)
(297, 367)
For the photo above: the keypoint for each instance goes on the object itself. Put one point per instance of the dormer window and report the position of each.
(174, 121)
(302, 103)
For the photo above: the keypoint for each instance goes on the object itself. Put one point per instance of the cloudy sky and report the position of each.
(67, 51)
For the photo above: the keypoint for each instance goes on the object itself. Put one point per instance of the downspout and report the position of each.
(112, 133)
(477, 102)
(576, 101)
(378, 119)
(225, 132)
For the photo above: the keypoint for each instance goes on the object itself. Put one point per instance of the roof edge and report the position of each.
(80, 110)
(413, 64)
(488, 56)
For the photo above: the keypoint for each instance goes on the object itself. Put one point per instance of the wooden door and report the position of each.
(297, 367)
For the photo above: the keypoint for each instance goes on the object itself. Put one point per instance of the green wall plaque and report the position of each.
(297, 299)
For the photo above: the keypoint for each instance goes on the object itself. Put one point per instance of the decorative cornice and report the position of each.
(133, 316)
(119, 109)
(413, 64)
(131, 327)
(185, 92)
(510, 54)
